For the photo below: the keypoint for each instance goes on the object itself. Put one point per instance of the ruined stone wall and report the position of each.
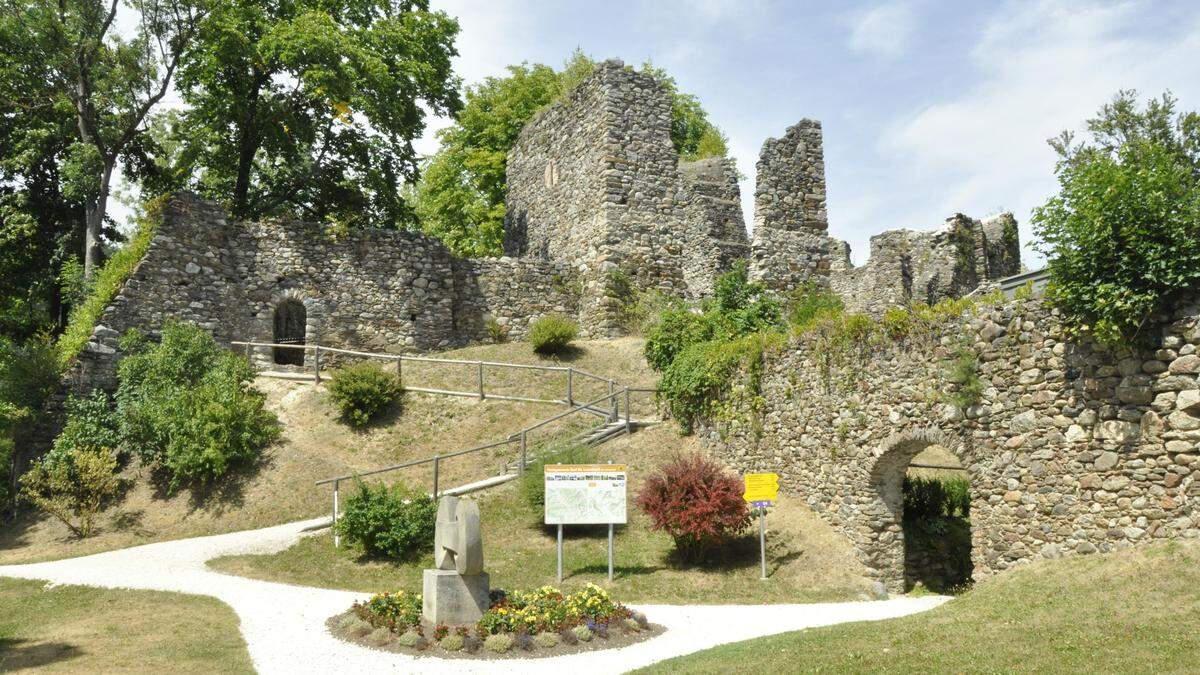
(594, 181)
(790, 189)
(906, 266)
(716, 215)
(371, 290)
(1072, 449)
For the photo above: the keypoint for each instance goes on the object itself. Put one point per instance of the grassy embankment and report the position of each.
(808, 561)
(80, 629)
(1132, 611)
(317, 445)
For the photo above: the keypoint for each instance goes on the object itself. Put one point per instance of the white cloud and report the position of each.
(1041, 68)
(884, 30)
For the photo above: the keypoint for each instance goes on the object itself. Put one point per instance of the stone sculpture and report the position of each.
(456, 592)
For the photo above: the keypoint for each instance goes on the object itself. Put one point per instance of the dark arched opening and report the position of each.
(290, 324)
(937, 522)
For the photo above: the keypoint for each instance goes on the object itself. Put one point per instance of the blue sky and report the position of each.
(929, 108)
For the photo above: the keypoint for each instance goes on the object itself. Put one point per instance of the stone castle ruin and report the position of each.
(598, 199)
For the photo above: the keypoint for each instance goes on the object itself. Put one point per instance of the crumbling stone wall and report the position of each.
(790, 246)
(1072, 449)
(594, 181)
(373, 290)
(789, 191)
(907, 266)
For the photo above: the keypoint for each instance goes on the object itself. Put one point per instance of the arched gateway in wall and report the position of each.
(886, 550)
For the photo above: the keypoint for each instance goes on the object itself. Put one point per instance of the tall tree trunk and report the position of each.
(247, 147)
(95, 221)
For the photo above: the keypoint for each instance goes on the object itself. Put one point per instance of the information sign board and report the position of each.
(586, 494)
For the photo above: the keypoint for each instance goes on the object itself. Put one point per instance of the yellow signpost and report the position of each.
(761, 491)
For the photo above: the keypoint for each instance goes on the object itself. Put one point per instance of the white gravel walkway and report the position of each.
(284, 626)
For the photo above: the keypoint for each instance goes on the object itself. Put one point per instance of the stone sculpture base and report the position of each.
(454, 599)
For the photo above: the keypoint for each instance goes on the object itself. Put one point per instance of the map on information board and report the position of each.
(585, 494)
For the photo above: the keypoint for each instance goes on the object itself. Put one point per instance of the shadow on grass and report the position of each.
(619, 571)
(566, 354)
(19, 654)
(226, 492)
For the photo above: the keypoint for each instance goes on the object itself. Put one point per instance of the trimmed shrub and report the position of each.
(552, 333)
(452, 643)
(499, 643)
(362, 392)
(696, 501)
(545, 640)
(73, 486)
(582, 633)
(186, 407)
(533, 484)
(394, 523)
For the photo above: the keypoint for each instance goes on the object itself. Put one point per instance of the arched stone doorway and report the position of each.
(291, 324)
(934, 551)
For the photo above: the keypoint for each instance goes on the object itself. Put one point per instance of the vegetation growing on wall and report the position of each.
(1122, 236)
(107, 283)
(460, 197)
(711, 356)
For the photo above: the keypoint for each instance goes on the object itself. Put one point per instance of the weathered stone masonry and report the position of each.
(378, 290)
(1073, 449)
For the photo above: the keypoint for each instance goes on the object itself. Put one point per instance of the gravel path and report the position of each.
(284, 625)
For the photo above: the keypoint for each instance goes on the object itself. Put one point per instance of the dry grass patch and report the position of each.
(807, 560)
(316, 445)
(80, 629)
(1132, 611)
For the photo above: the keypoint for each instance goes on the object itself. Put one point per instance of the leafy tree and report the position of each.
(110, 83)
(1122, 236)
(307, 108)
(460, 198)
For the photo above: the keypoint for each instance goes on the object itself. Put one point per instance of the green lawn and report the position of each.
(1130, 611)
(91, 630)
(808, 561)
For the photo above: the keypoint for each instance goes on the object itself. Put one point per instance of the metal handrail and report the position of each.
(416, 462)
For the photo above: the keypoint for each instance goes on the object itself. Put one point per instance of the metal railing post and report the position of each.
(521, 461)
(481, 380)
(248, 348)
(612, 403)
(570, 386)
(437, 459)
(317, 364)
(337, 540)
(628, 424)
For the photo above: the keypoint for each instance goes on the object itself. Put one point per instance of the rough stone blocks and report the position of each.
(454, 599)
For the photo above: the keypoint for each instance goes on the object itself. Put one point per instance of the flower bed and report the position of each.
(544, 622)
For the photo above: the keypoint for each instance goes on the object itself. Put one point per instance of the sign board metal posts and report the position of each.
(585, 494)
(761, 491)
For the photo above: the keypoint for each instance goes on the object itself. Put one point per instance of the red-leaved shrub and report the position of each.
(696, 501)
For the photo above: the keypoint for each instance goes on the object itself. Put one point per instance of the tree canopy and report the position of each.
(308, 108)
(460, 197)
(1122, 236)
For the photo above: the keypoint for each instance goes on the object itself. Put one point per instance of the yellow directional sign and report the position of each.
(761, 487)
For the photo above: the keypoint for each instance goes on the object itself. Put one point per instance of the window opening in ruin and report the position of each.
(290, 325)
(937, 522)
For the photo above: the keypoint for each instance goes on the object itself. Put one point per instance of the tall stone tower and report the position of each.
(790, 192)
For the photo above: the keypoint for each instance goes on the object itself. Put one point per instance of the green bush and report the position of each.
(810, 302)
(91, 423)
(673, 331)
(185, 406)
(363, 391)
(394, 523)
(73, 486)
(695, 382)
(552, 333)
(1122, 236)
(963, 370)
(533, 484)
(931, 498)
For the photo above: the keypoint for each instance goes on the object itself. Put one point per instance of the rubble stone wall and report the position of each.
(1072, 448)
